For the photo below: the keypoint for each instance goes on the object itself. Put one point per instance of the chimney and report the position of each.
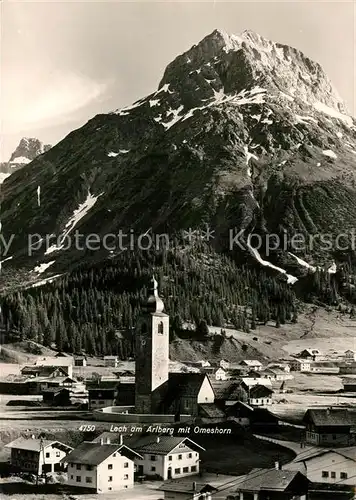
(277, 465)
(121, 442)
(194, 486)
(108, 440)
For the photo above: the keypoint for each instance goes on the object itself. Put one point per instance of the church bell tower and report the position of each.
(152, 354)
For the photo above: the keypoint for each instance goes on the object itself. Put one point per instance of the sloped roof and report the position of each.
(226, 389)
(260, 391)
(55, 361)
(187, 487)
(251, 362)
(348, 452)
(267, 479)
(160, 445)
(90, 453)
(30, 444)
(181, 385)
(251, 381)
(211, 410)
(331, 416)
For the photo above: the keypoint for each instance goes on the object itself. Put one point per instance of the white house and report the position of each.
(175, 490)
(220, 374)
(311, 354)
(252, 364)
(259, 395)
(277, 374)
(223, 363)
(282, 366)
(166, 457)
(301, 365)
(350, 355)
(38, 455)
(65, 362)
(330, 466)
(102, 467)
(250, 381)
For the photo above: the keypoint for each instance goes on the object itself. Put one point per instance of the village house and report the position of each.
(240, 413)
(227, 392)
(56, 396)
(187, 391)
(277, 374)
(259, 395)
(161, 457)
(252, 364)
(102, 394)
(301, 365)
(310, 355)
(101, 467)
(223, 363)
(349, 384)
(329, 466)
(43, 371)
(65, 362)
(111, 361)
(272, 484)
(38, 456)
(220, 374)
(350, 355)
(187, 491)
(330, 426)
(325, 368)
(80, 361)
(282, 366)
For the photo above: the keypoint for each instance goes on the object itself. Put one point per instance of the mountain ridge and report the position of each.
(210, 151)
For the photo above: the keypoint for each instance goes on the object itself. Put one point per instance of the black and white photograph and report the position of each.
(178, 250)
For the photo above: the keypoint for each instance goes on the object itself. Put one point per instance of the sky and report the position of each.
(64, 62)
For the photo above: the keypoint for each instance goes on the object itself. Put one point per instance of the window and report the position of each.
(89, 467)
(79, 479)
(78, 466)
(88, 480)
(193, 468)
(160, 327)
(185, 470)
(343, 475)
(179, 457)
(153, 469)
(72, 477)
(177, 471)
(110, 488)
(110, 466)
(47, 455)
(333, 475)
(153, 458)
(126, 465)
(170, 458)
(324, 473)
(126, 476)
(110, 479)
(58, 453)
(189, 455)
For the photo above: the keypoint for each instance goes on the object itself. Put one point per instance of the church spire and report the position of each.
(154, 303)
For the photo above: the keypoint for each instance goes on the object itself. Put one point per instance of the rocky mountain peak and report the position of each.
(233, 63)
(28, 149)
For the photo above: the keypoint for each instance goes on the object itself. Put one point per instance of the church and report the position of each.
(156, 390)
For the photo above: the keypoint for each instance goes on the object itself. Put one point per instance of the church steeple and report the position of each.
(154, 303)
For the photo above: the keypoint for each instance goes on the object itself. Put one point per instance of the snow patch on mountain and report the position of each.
(46, 280)
(305, 119)
(290, 279)
(303, 262)
(327, 110)
(329, 153)
(78, 214)
(3, 177)
(41, 268)
(20, 159)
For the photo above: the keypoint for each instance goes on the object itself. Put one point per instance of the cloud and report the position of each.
(48, 100)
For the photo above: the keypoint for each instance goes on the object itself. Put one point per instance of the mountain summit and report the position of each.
(241, 133)
(27, 150)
